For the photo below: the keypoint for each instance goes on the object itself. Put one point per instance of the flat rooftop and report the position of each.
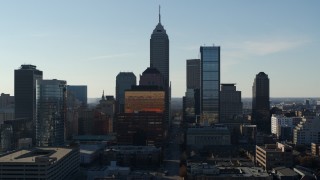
(28, 156)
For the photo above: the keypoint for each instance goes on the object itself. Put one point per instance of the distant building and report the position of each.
(51, 116)
(307, 131)
(200, 137)
(230, 103)
(274, 155)
(6, 101)
(124, 81)
(193, 73)
(210, 82)
(40, 163)
(104, 115)
(80, 92)
(26, 79)
(261, 102)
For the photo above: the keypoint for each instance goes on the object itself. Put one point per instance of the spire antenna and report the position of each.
(159, 15)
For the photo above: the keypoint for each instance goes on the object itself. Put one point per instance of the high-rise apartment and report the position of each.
(25, 82)
(260, 102)
(51, 113)
(124, 81)
(210, 84)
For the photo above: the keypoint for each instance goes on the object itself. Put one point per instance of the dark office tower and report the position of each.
(80, 92)
(51, 113)
(230, 104)
(124, 81)
(25, 83)
(193, 86)
(193, 74)
(159, 59)
(151, 77)
(210, 82)
(261, 103)
(159, 51)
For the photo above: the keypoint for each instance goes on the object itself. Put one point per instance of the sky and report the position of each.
(89, 42)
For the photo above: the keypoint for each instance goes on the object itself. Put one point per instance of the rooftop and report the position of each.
(30, 156)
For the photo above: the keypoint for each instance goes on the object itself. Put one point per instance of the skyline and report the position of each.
(282, 43)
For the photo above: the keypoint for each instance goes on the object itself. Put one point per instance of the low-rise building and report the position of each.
(207, 171)
(274, 155)
(208, 136)
(133, 156)
(108, 172)
(285, 173)
(40, 163)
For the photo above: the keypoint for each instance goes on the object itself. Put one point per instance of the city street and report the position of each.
(172, 153)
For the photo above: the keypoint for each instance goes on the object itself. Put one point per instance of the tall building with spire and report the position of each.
(159, 51)
(159, 59)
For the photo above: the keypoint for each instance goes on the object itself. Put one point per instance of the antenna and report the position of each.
(159, 14)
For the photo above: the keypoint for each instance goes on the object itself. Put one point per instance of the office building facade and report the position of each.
(40, 163)
(210, 84)
(261, 102)
(51, 116)
(124, 81)
(230, 103)
(193, 73)
(25, 81)
(80, 92)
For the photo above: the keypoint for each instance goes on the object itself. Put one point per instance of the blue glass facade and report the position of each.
(210, 83)
(51, 108)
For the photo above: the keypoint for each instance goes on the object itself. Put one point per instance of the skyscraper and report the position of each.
(159, 51)
(159, 59)
(210, 82)
(51, 115)
(79, 92)
(193, 74)
(124, 81)
(230, 103)
(260, 103)
(25, 81)
(191, 103)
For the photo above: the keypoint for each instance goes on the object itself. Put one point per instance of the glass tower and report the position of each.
(210, 84)
(51, 115)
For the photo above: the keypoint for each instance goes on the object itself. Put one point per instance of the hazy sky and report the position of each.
(88, 42)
